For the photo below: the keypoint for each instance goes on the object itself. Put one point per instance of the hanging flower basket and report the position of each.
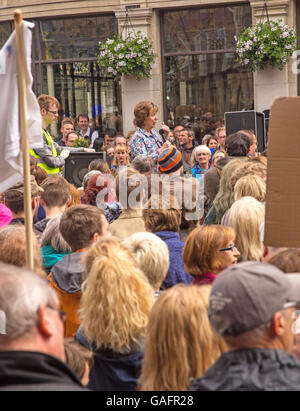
(133, 55)
(266, 45)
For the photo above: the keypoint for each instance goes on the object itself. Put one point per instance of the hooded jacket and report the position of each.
(50, 257)
(41, 225)
(35, 371)
(254, 369)
(176, 273)
(66, 278)
(113, 371)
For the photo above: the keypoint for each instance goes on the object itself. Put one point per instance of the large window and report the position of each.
(5, 31)
(64, 56)
(81, 90)
(77, 37)
(65, 51)
(202, 79)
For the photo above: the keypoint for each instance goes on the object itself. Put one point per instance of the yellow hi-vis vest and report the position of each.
(48, 139)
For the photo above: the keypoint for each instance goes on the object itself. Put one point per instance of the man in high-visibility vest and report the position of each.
(52, 156)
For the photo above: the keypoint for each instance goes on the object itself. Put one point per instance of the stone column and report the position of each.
(146, 20)
(272, 83)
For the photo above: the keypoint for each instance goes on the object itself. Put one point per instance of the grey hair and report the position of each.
(196, 151)
(52, 236)
(190, 132)
(88, 176)
(21, 294)
(152, 255)
(143, 164)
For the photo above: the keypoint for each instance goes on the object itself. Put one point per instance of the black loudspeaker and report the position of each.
(76, 166)
(247, 120)
(267, 119)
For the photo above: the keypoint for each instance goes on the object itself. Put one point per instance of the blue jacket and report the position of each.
(176, 273)
(112, 371)
(198, 173)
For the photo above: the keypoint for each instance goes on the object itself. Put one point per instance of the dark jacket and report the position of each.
(34, 371)
(66, 278)
(41, 225)
(176, 273)
(251, 370)
(212, 182)
(21, 221)
(60, 141)
(112, 371)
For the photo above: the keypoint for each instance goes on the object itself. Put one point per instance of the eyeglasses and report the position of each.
(55, 113)
(61, 313)
(230, 248)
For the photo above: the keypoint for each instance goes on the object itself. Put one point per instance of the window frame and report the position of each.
(164, 55)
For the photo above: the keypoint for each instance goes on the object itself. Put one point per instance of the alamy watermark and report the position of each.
(2, 323)
(133, 191)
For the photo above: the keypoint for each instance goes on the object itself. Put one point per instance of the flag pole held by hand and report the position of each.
(21, 64)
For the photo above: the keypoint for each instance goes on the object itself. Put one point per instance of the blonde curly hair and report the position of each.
(250, 167)
(116, 298)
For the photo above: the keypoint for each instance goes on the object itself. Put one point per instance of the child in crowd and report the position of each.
(121, 157)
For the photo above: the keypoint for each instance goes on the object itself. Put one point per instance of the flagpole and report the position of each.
(21, 63)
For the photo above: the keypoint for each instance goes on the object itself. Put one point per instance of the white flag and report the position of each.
(11, 169)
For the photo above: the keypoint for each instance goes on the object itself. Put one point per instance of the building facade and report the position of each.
(195, 77)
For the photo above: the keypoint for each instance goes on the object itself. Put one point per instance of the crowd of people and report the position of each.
(154, 274)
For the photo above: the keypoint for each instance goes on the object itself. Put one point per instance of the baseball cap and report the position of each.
(247, 295)
(18, 189)
(169, 160)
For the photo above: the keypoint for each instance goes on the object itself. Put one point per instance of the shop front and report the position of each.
(195, 79)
